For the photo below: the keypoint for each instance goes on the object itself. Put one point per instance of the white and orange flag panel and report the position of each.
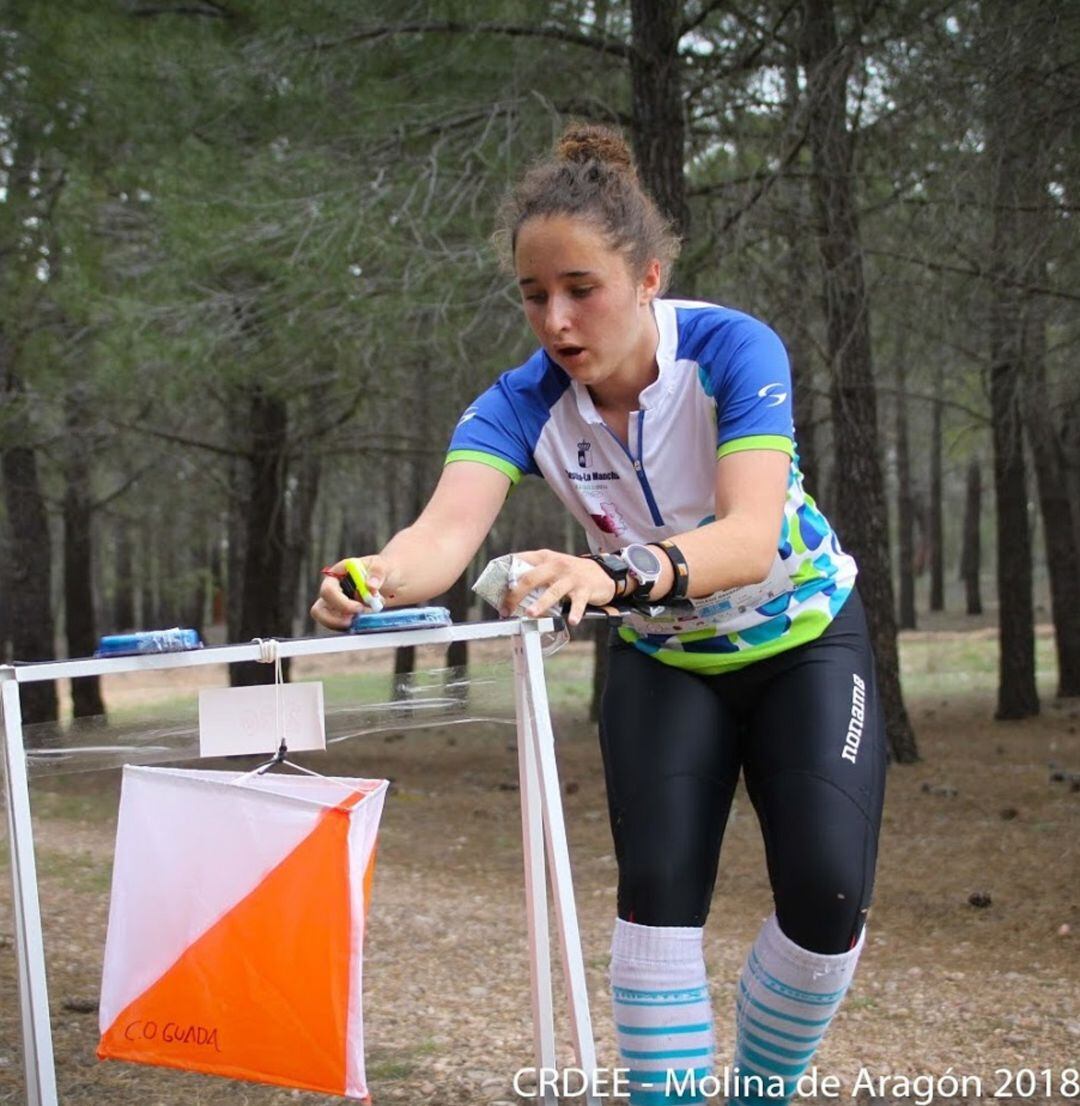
(236, 926)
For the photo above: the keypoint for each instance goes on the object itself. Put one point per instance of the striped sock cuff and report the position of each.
(663, 1016)
(775, 943)
(656, 944)
(787, 997)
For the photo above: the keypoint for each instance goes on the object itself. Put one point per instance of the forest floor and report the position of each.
(944, 987)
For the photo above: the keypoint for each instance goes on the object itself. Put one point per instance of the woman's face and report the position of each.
(588, 310)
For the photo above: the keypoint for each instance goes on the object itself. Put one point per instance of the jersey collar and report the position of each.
(654, 395)
(668, 328)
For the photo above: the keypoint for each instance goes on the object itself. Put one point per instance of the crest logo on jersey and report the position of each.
(775, 398)
(584, 455)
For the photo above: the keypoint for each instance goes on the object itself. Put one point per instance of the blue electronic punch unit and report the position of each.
(402, 618)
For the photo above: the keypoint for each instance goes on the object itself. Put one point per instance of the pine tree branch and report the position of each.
(603, 44)
(207, 10)
(979, 274)
(750, 59)
(179, 439)
(981, 418)
(766, 181)
(706, 10)
(133, 478)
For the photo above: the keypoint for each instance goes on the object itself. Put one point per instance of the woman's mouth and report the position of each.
(570, 354)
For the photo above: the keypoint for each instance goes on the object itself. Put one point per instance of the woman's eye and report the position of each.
(536, 297)
(581, 293)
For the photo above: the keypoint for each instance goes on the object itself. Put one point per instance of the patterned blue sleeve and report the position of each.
(744, 366)
(753, 389)
(502, 427)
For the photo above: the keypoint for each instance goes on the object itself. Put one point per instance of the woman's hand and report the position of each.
(334, 609)
(563, 576)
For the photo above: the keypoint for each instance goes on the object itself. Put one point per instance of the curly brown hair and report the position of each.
(591, 175)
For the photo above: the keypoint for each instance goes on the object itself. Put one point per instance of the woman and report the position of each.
(665, 428)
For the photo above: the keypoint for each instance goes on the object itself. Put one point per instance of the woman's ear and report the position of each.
(649, 286)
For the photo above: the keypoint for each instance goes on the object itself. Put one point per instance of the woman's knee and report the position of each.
(660, 893)
(823, 914)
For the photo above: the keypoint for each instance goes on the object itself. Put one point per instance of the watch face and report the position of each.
(643, 562)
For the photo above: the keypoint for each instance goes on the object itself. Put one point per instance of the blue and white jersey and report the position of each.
(724, 385)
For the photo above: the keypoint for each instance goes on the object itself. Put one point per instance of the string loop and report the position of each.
(270, 654)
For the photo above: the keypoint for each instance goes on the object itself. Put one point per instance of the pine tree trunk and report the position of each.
(1017, 695)
(171, 560)
(5, 595)
(124, 591)
(1070, 446)
(28, 570)
(861, 513)
(1056, 509)
(800, 351)
(196, 593)
(937, 529)
(657, 107)
(905, 505)
(239, 487)
(79, 621)
(1007, 158)
(458, 600)
(971, 556)
(149, 613)
(799, 310)
(302, 501)
(261, 613)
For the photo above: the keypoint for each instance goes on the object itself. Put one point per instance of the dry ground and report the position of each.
(943, 985)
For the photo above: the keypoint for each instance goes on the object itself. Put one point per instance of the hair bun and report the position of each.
(582, 142)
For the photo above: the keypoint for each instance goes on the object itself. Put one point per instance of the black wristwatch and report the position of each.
(634, 569)
(644, 568)
(616, 568)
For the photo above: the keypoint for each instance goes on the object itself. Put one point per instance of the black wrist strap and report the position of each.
(620, 580)
(681, 583)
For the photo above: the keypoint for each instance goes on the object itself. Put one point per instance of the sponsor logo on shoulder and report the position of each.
(470, 413)
(774, 398)
(853, 737)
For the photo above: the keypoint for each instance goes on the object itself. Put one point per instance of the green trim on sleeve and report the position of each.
(490, 459)
(757, 441)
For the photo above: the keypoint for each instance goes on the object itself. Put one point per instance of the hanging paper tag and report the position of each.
(235, 720)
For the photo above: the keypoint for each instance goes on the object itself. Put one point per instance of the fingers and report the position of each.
(549, 598)
(561, 576)
(333, 608)
(579, 600)
(334, 618)
(375, 569)
(530, 581)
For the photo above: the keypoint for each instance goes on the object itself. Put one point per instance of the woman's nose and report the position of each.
(557, 319)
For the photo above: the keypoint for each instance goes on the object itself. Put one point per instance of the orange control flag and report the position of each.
(236, 926)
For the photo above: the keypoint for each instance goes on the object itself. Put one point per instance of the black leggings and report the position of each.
(673, 743)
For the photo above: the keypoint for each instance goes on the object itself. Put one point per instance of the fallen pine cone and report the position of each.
(979, 898)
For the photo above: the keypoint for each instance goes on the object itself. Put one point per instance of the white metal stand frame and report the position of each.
(541, 822)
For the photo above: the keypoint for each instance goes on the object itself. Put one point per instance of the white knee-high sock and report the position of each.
(663, 1017)
(787, 997)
